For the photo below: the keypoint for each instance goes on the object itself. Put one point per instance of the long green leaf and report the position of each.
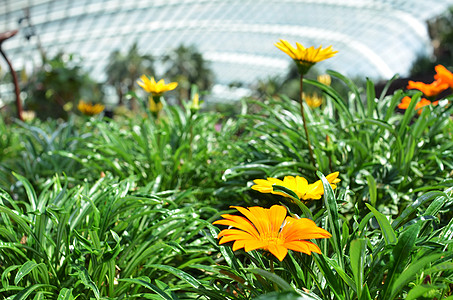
(370, 97)
(383, 125)
(332, 93)
(334, 221)
(341, 273)
(39, 296)
(372, 189)
(386, 228)
(419, 290)
(288, 296)
(331, 278)
(408, 114)
(357, 257)
(178, 273)
(65, 294)
(409, 273)
(401, 253)
(272, 277)
(414, 206)
(307, 213)
(23, 294)
(29, 190)
(84, 276)
(148, 285)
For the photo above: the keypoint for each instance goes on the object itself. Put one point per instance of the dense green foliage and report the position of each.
(54, 88)
(123, 208)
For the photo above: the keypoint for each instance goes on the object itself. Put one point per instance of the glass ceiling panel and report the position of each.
(375, 38)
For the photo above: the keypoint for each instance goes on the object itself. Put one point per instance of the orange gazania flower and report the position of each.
(429, 90)
(298, 185)
(271, 230)
(423, 102)
(443, 75)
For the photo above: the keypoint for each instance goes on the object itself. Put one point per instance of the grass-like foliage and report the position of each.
(107, 239)
(385, 155)
(98, 208)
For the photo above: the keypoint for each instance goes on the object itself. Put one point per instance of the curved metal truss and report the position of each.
(375, 38)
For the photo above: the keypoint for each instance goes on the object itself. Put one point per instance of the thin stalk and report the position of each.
(271, 264)
(330, 153)
(302, 112)
(16, 85)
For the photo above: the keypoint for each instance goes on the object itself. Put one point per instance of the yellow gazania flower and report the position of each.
(325, 79)
(89, 109)
(195, 102)
(155, 88)
(153, 106)
(313, 100)
(28, 115)
(305, 58)
(299, 185)
(271, 230)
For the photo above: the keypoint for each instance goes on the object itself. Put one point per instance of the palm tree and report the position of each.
(187, 66)
(123, 70)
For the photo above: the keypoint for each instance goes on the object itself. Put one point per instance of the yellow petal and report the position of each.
(302, 246)
(286, 47)
(290, 183)
(253, 245)
(228, 235)
(302, 229)
(332, 177)
(278, 250)
(172, 86)
(262, 182)
(261, 219)
(255, 215)
(262, 189)
(238, 222)
(275, 181)
(144, 78)
(143, 86)
(277, 214)
(238, 245)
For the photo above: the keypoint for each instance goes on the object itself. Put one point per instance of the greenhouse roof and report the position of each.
(375, 38)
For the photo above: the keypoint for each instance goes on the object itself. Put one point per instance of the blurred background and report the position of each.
(67, 50)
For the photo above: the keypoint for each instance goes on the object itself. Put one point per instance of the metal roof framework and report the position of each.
(375, 38)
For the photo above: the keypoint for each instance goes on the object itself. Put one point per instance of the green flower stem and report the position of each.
(302, 112)
(271, 265)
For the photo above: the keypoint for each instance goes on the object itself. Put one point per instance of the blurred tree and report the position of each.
(123, 70)
(54, 89)
(441, 34)
(187, 66)
(269, 87)
(289, 85)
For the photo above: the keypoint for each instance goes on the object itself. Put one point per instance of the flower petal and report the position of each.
(253, 245)
(302, 246)
(302, 229)
(277, 214)
(255, 215)
(279, 251)
(238, 222)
